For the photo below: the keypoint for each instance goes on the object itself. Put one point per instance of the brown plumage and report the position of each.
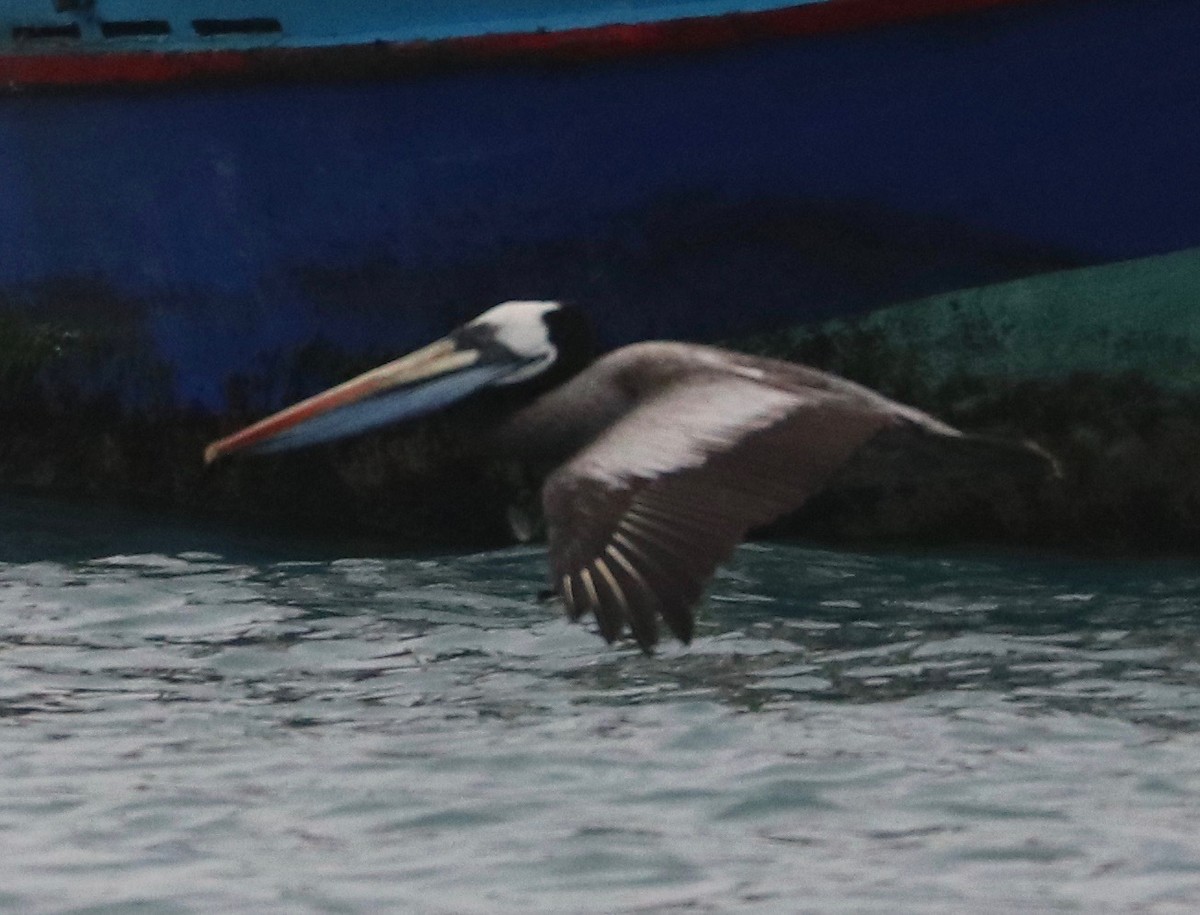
(706, 445)
(657, 458)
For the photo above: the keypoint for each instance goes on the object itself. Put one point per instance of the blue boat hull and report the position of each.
(231, 246)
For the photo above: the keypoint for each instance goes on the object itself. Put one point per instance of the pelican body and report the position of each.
(656, 458)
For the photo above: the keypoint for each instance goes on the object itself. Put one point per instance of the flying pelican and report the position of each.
(657, 458)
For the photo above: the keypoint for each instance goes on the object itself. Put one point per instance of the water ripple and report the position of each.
(193, 721)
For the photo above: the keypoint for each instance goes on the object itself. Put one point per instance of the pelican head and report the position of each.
(515, 345)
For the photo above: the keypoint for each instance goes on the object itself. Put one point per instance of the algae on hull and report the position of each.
(1099, 366)
(1140, 317)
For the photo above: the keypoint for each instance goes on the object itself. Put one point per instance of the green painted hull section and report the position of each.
(1139, 317)
(1099, 367)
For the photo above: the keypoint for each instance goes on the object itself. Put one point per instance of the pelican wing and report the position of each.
(639, 520)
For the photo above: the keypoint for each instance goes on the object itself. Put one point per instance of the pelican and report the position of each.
(656, 459)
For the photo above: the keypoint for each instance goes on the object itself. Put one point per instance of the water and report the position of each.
(197, 721)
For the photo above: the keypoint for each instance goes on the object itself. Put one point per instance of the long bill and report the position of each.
(411, 386)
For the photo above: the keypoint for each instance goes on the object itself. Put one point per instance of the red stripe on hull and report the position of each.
(20, 71)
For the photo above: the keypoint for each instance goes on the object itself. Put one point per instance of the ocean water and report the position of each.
(198, 720)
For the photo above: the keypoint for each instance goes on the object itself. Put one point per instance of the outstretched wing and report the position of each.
(639, 520)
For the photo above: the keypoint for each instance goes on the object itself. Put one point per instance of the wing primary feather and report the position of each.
(676, 511)
(630, 569)
(589, 587)
(610, 624)
(620, 539)
(670, 567)
(659, 521)
(690, 564)
(655, 533)
(574, 611)
(677, 591)
(611, 581)
(640, 618)
(679, 618)
(667, 579)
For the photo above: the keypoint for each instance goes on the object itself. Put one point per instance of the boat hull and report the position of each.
(184, 252)
(220, 232)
